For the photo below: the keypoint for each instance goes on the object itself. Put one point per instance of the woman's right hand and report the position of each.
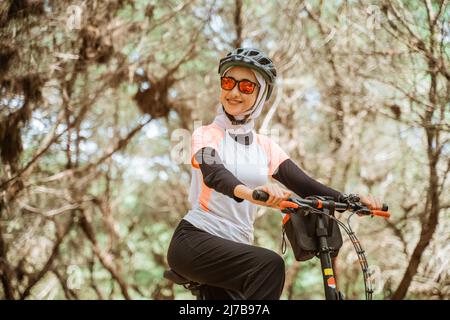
(276, 195)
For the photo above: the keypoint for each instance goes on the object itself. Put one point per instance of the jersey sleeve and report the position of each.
(277, 157)
(275, 154)
(203, 137)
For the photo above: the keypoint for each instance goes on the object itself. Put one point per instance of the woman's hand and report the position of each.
(276, 195)
(372, 202)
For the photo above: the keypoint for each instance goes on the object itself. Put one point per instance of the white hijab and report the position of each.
(222, 120)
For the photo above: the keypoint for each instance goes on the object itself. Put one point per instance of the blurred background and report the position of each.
(93, 94)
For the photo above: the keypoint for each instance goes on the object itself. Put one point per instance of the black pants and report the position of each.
(255, 272)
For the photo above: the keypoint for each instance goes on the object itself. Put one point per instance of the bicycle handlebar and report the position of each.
(357, 207)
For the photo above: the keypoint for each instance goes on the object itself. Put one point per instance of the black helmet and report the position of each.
(251, 58)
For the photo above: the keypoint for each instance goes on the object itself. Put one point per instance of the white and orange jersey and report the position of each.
(252, 164)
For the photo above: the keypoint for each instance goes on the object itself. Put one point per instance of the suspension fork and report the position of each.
(329, 280)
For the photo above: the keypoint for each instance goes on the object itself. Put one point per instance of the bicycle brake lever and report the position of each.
(363, 212)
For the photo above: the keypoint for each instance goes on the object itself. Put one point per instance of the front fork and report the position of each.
(329, 280)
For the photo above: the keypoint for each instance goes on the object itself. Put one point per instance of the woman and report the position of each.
(213, 242)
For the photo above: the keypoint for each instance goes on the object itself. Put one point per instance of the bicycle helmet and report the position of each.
(251, 58)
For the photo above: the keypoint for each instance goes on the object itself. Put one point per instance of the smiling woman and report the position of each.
(213, 243)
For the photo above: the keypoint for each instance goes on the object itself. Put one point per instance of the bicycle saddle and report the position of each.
(175, 277)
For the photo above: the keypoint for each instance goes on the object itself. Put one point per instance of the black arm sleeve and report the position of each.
(291, 176)
(215, 175)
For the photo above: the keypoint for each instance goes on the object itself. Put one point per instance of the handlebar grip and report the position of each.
(379, 213)
(260, 195)
(385, 207)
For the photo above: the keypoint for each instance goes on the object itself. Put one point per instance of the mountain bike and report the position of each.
(323, 208)
(322, 232)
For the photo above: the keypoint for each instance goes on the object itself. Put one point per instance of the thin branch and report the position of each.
(238, 23)
(59, 239)
(446, 174)
(6, 273)
(91, 263)
(69, 293)
(48, 213)
(105, 259)
(84, 170)
(403, 22)
(48, 141)
(190, 53)
(170, 15)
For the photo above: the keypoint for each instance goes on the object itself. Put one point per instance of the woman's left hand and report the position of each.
(372, 202)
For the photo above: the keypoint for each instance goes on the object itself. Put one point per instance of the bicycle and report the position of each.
(324, 208)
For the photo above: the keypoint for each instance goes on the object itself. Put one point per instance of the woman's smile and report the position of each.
(234, 101)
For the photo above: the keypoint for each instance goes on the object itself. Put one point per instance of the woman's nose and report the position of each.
(235, 91)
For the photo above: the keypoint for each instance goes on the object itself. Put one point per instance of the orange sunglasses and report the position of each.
(245, 86)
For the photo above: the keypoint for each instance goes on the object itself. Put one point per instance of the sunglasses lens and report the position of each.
(227, 83)
(246, 87)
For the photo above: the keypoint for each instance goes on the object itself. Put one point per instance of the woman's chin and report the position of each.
(234, 111)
